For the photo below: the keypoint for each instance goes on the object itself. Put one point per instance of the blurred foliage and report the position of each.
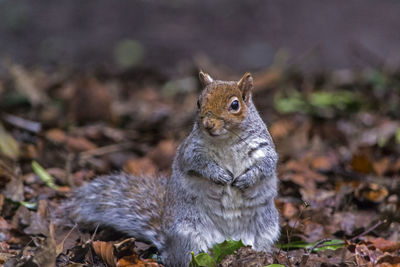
(317, 103)
(128, 53)
(329, 244)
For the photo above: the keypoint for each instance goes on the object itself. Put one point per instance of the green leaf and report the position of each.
(398, 135)
(28, 205)
(44, 175)
(225, 248)
(202, 260)
(275, 265)
(8, 145)
(219, 251)
(332, 245)
(292, 103)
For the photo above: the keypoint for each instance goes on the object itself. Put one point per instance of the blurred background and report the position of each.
(242, 35)
(93, 87)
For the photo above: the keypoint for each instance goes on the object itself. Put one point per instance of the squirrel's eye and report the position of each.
(198, 104)
(235, 105)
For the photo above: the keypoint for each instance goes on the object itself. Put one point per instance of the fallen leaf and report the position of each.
(385, 245)
(15, 189)
(8, 145)
(25, 84)
(381, 167)
(79, 144)
(135, 261)
(4, 247)
(56, 135)
(44, 175)
(321, 163)
(163, 154)
(141, 166)
(289, 210)
(361, 163)
(281, 128)
(38, 221)
(46, 255)
(105, 250)
(371, 192)
(91, 101)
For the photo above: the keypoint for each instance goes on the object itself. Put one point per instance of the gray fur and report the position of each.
(219, 189)
(222, 189)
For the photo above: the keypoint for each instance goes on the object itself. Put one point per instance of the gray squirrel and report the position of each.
(222, 186)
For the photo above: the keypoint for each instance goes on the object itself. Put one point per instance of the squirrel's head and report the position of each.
(223, 105)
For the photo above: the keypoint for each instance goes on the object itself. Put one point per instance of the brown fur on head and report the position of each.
(217, 103)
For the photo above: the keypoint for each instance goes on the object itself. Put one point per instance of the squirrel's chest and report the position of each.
(235, 159)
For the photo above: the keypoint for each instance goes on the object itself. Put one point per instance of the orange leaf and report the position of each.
(105, 250)
(142, 166)
(381, 166)
(321, 163)
(134, 261)
(385, 245)
(361, 163)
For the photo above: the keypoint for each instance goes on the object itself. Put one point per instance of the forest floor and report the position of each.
(337, 134)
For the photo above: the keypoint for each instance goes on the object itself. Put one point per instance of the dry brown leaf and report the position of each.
(79, 144)
(321, 163)
(395, 167)
(372, 192)
(105, 250)
(281, 128)
(163, 154)
(56, 135)
(38, 221)
(90, 101)
(381, 167)
(46, 253)
(289, 210)
(4, 225)
(361, 163)
(388, 260)
(385, 245)
(8, 145)
(15, 189)
(25, 83)
(141, 166)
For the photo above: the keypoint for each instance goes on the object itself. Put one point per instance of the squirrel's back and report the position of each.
(129, 204)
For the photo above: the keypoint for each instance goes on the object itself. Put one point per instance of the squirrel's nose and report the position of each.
(208, 124)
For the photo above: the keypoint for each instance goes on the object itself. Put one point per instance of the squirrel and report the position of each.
(222, 186)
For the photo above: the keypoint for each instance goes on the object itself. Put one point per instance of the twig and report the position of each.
(291, 230)
(31, 126)
(68, 170)
(105, 150)
(368, 230)
(60, 246)
(306, 256)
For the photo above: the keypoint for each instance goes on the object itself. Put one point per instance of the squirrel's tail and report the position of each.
(129, 204)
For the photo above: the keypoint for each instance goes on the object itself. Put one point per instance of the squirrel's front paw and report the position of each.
(222, 177)
(242, 182)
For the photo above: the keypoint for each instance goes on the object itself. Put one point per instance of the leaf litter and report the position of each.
(339, 163)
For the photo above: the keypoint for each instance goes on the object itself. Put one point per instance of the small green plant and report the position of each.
(44, 175)
(317, 103)
(330, 244)
(217, 254)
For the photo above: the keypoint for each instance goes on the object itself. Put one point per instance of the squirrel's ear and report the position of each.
(246, 86)
(205, 79)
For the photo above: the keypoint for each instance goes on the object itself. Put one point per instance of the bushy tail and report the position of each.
(129, 204)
